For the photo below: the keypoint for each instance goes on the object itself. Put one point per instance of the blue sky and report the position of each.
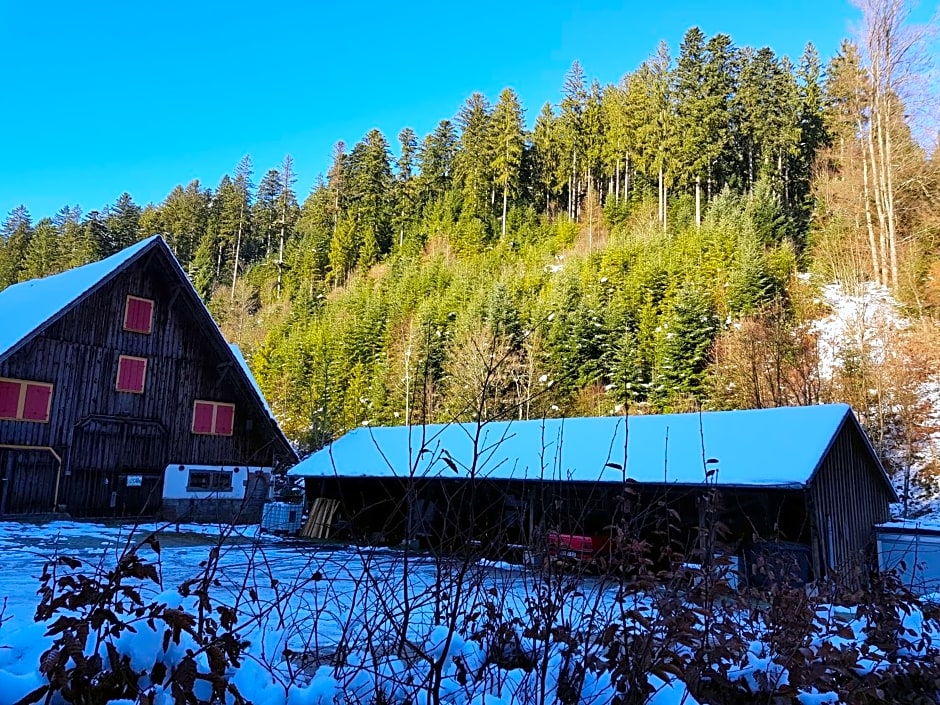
(104, 97)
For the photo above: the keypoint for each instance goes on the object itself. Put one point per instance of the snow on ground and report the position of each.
(860, 320)
(316, 604)
(315, 599)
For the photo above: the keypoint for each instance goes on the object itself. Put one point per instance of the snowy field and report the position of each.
(324, 624)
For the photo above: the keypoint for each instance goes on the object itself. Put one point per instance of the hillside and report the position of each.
(713, 231)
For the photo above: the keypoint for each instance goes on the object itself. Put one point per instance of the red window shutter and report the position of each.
(138, 315)
(131, 371)
(9, 399)
(38, 397)
(203, 413)
(224, 419)
(145, 315)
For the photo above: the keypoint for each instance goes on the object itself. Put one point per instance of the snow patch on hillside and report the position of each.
(860, 321)
(866, 327)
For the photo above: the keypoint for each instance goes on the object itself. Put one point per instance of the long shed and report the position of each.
(109, 374)
(804, 475)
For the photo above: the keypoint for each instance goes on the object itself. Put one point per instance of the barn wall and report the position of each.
(849, 497)
(100, 431)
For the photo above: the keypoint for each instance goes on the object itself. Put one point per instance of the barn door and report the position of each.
(27, 482)
(256, 491)
(137, 492)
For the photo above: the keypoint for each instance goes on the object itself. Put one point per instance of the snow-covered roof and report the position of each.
(909, 526)
(26, 306)
(237, 352)
(766, 447)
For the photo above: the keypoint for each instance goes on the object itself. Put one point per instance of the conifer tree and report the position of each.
(122, 223)
(370, 179)
(405, 195)
(573, 105)
(507, 142)
(42, 254)
(185, 217)
(76, 247)
(472, 162)
(547, 158)
(436, 159)
(15, 234)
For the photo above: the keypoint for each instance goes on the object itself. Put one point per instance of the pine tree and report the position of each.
(436, 159)
(573, 105)
(265, 215)
(704, 84)
(15, 234)
(370, 179)
(42, 255)
(315, 229)
(652, 124)
(812, 132)
(472, 162)
(122, 223)
(685, 337)
(185, 216)
(76, 246)
(547, 157)
(405, 194)
(507, 142)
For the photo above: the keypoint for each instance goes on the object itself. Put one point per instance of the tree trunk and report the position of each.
(626, 177)
(617, 182)
(875, 175)
(872, 243)
(698, 201)
(590, 207)
(238, 246)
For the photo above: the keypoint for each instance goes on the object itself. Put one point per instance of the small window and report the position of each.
(213, 418)
(132, 372)
(138, 315)
(209, 481)
(24, 400)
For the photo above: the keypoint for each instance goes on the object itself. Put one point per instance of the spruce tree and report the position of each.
(472, 162)
(15, 234)
(42, 252)
(507, 140)
(122, 223)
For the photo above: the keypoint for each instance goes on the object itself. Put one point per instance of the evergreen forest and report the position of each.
(654, 245)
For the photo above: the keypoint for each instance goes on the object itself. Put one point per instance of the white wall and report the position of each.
(915, 556)
(176, 479)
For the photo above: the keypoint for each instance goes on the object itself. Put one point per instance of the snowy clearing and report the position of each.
(317, 624)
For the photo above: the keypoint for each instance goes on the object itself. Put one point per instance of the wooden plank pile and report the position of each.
(320, 519)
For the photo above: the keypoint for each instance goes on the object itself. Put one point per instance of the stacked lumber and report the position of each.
(320, 518)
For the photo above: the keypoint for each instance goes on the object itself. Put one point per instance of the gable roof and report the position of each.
(780, 447)
(28, 308)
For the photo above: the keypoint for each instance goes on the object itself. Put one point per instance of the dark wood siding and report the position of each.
(98, 430)
(849, 496)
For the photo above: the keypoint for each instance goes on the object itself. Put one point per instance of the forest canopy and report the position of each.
(636, 249)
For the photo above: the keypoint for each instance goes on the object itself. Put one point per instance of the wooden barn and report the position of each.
(802, 477)
(112, 374)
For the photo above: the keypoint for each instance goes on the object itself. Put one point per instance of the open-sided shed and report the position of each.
(804, 475)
